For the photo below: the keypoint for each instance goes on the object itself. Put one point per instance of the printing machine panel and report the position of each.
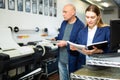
(15, 56)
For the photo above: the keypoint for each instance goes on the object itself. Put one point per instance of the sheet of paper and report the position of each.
(10, 47)
(6, 39)
(55, 42)
(26, 50)
(76, 45)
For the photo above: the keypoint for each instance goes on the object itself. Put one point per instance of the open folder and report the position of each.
(10, 47)
(99, 45)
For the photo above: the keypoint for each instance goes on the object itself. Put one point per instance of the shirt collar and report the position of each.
(93, 29)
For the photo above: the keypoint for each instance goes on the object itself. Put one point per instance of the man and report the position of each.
(69, 29)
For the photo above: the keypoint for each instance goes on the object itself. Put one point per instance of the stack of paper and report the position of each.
(10, 47)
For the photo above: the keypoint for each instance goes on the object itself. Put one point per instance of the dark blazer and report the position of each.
(102, 34)
(72, 55)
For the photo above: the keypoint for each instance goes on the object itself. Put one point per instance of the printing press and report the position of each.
(15, 60)
(24, 62)
(49, 59)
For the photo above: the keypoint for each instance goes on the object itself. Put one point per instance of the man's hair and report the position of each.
(72, 6)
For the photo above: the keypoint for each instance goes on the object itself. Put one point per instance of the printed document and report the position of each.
(99, 45)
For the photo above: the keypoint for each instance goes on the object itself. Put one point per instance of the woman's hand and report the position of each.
(93, 51)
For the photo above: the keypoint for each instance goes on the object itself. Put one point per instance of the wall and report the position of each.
(29, 20)
(110, 15)
(80, 8)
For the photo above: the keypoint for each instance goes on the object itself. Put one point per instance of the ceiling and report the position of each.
(100, 3)
(117, 2)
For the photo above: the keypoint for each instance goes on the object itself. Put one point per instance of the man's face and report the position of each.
(68, 12)
(91, 18)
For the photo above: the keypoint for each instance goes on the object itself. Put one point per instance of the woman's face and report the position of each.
(91, 19)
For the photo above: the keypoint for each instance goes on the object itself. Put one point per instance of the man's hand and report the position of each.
(61, 43)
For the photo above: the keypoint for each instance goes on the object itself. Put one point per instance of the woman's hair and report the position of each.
(96, 10)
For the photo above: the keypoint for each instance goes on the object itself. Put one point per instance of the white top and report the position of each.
(91, 33)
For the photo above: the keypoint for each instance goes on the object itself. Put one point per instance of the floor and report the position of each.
(54, 76)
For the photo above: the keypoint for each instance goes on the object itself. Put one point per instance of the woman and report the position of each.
(95, 31)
